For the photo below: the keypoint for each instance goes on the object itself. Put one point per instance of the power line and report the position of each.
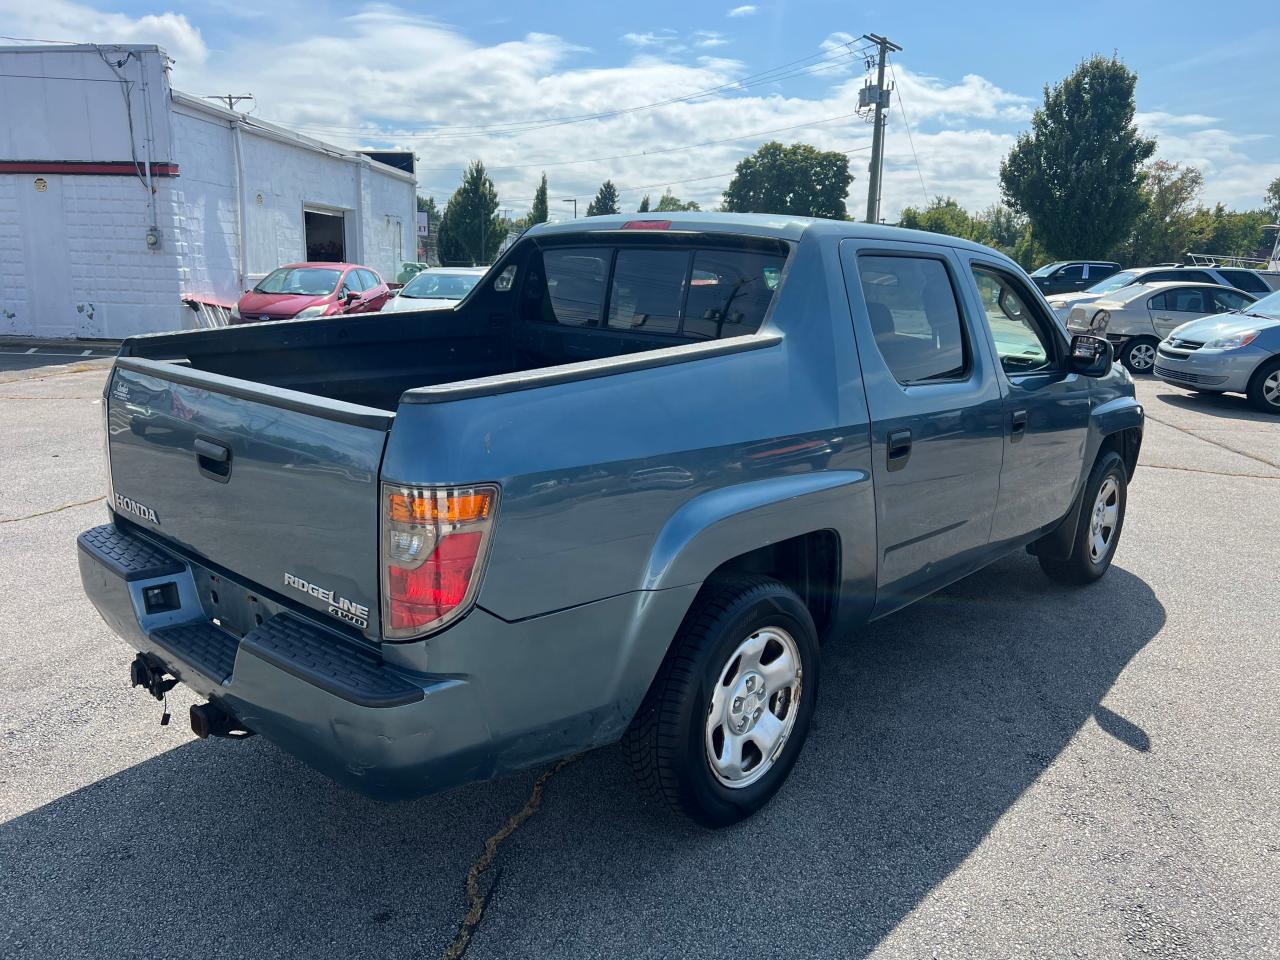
(773, 75)
(72, 43)
(649, 153)
(907, 123)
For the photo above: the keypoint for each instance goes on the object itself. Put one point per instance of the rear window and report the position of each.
(695, 294)
(1245, 280)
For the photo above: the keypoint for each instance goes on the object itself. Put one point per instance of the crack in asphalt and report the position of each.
(1212, 473)
(45, 513)
(3, 397)
(477, 899)
(1216, 443)
(78, 368)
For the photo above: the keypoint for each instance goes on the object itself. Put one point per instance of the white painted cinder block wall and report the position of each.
(73, 255)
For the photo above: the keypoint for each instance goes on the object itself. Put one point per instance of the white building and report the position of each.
(128, 207)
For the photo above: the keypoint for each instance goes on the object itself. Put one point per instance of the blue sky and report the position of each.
(396, 74)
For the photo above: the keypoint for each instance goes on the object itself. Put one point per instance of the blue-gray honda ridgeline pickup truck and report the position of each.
(621, 491)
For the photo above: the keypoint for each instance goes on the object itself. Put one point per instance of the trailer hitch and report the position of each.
(149, 673)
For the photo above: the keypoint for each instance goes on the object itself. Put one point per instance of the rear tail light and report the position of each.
(434, 542)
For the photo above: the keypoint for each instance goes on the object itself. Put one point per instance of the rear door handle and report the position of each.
(898, 449)
(213, 459)
(1018, 425)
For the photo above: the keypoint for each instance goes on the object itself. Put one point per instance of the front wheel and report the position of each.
(729, 711)
(1264, 388)
(1101, 520)
(1139, 354)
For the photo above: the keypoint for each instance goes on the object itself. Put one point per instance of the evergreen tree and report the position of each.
(606, 200)
(644, 204)
(470, 230)
(538, 212)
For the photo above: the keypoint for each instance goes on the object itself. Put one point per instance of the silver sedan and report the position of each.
(1136, 318)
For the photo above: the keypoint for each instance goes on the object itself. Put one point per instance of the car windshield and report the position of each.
(430, 285)
(1266, 307)
(308, 281)
(1114, 282)
(1048, 268)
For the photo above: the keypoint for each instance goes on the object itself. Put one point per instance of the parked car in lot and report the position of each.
(1235, 353)
(1065, 276)
(438, 288)
(1136, 318)
(1250, 281)
(301, 291)
(621, 492)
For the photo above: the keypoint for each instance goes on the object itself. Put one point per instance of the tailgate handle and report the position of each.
(213, 459)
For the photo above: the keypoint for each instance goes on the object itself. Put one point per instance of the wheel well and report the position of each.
(809, 564)
(1127, 443)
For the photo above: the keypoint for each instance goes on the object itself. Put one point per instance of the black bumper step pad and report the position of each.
(126, 556)
(207, 647)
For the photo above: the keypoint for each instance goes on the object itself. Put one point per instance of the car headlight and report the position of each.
(311, 312)
(1100, 321)
(1233, 342)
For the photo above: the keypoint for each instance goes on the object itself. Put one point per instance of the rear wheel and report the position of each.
(1139, 354)
(1264, 388)
(729, 711)
(1101, 520)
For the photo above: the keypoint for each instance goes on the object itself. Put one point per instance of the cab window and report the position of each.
(914, 317)
(1022, 341)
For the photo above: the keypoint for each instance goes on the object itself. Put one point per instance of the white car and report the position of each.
(1248, 280)
(439, 288)
(1136, 318)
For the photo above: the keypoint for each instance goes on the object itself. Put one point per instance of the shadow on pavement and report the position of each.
(1234, 406)
(930, 726)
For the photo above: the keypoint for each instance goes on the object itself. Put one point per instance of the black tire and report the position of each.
(1142, 364)
(666, 745)
(1258, 386)
(1082, 567)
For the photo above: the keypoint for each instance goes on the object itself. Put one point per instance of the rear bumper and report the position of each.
(388, 730)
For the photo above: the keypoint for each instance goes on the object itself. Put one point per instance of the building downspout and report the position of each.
(242, 211)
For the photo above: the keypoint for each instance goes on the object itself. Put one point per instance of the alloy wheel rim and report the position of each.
(753, 707)
(1271, 389)
(1103, 520)
(1143, 356)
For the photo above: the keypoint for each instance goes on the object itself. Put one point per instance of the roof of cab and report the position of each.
(780, 226)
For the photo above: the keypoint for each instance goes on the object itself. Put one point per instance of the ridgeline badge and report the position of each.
(340, 607)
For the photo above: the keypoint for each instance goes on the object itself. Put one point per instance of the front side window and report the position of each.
(1021, 343)
(1072, 272)
(1225, 300)
(1188, 301)
(307, 281)
(1047, 269)
(914, 317)
(575, 285)
(648, 289)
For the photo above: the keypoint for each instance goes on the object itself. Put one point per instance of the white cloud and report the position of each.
(746, 10)
(707, 39)
(1230, 175)
(66, 20)
(651, 39)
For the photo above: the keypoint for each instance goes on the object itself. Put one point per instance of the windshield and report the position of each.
(1048, 268)
(429, 285)
(308, 281)
(1114, 282)
(1266, 307)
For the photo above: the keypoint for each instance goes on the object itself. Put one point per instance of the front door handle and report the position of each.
(1017, 425)
(898, 449)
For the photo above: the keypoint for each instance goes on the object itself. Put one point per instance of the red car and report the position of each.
(302, 290)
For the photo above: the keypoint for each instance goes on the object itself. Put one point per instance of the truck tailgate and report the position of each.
(281, 489)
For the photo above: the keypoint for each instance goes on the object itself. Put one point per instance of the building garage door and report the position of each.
(325, 236)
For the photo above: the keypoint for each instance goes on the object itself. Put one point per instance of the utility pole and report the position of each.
(574, 201)
(880, 96)
(231, 99)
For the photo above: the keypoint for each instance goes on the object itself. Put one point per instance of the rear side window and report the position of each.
(914, 317)
(1187, 301)
(1164, 275)
(575, 285)
(1224, 300)
(1245, 280)
(369, 278)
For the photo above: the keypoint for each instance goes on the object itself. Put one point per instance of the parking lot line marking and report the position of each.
(87, 353)
(32, 350)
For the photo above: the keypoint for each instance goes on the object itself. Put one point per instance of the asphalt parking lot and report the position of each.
(1011, 768)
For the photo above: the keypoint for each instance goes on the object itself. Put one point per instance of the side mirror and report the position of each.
(1091, 356)
(351, 296)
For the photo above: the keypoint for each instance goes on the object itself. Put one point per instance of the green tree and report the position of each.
(799, 179)
(996, 226)
(644, 205)
(945, 215)
(1271, 200)
(470, 230)
(1228, 233)
(538, 212)
(1077, 175)
(606, 200)
(1162, 232)
(670, 203)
